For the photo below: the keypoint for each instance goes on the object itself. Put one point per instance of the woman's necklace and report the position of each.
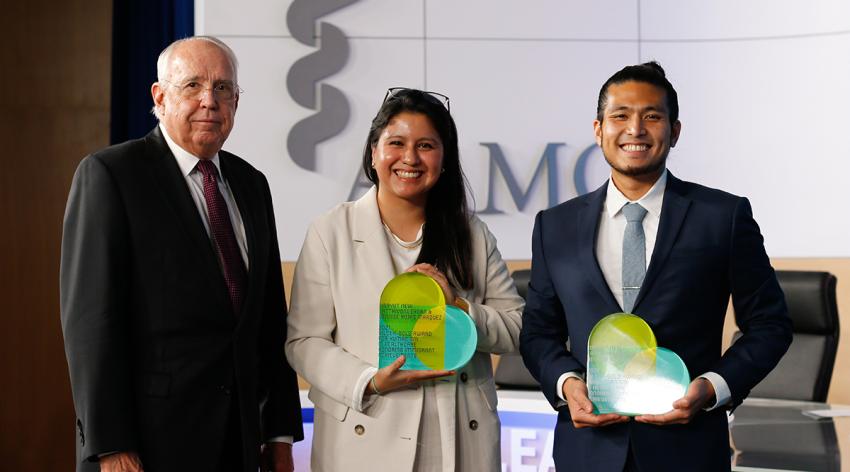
(405, 244)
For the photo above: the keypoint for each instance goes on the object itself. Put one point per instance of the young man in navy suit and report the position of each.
(697, 247)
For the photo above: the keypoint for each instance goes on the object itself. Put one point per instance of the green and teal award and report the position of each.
(416, 322)
(627, 373)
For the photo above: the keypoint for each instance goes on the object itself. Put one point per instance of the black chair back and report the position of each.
(804, 373)
(521, 279)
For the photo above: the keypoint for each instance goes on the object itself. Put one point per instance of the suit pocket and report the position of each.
(328, 404)
(156, 384)
(488, 392)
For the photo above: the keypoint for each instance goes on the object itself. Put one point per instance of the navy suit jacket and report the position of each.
(155, 352)
(708, 246)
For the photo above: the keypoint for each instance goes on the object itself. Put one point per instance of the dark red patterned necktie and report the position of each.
(223, 235)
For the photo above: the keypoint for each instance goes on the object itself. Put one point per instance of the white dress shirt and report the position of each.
(609, 256)
(195, 182)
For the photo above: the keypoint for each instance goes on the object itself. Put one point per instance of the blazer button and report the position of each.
(82, 434)
(473, 425)
(464, 377)
(359, 430)
(224, 389)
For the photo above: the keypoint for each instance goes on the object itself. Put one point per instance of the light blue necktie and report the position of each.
(634, 254)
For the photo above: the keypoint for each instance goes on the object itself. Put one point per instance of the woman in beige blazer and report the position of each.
(414, 218)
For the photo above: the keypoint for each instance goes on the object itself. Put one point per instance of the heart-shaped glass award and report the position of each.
(415, 321)
(627, 373)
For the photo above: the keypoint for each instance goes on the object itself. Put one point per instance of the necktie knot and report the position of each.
(207, 168)
(634, 212)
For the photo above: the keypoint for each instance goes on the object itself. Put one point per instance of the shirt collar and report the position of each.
(651, 201)
(185, 160)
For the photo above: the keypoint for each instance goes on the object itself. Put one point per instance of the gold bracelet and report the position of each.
(375, 386)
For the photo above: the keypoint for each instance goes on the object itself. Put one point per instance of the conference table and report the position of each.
(765, 435)
(782, 435)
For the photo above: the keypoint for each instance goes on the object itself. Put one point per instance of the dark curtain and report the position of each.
(141, 30)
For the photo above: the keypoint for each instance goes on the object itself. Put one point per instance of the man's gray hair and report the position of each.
(164, 58)
(165, 55)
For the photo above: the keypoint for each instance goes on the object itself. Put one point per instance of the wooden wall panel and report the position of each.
(54, 109)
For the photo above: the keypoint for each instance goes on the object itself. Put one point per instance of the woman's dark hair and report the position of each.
(447, 240)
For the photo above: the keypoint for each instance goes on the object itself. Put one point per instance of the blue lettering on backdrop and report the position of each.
(580, 170)
(549, 160)
(499, 164)
(361, 185)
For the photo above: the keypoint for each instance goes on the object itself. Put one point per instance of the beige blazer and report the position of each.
(333, 338)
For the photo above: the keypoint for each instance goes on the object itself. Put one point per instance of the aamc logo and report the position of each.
(332, 112)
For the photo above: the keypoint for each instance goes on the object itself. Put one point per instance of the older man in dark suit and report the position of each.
(171, 290)
(670, 251)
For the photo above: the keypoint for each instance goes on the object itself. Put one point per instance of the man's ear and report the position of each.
(597, 132)
(158, 95)
(674, 133)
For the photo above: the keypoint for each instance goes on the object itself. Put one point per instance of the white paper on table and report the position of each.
(827, 413)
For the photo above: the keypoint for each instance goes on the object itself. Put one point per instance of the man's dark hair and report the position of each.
(648, 72)
(446, 236)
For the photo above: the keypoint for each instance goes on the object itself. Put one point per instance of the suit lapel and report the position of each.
(588, 226)
(168, 178)
(673, 212)
(370, 239)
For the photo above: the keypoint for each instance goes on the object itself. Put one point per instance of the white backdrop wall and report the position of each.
(764, 91)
